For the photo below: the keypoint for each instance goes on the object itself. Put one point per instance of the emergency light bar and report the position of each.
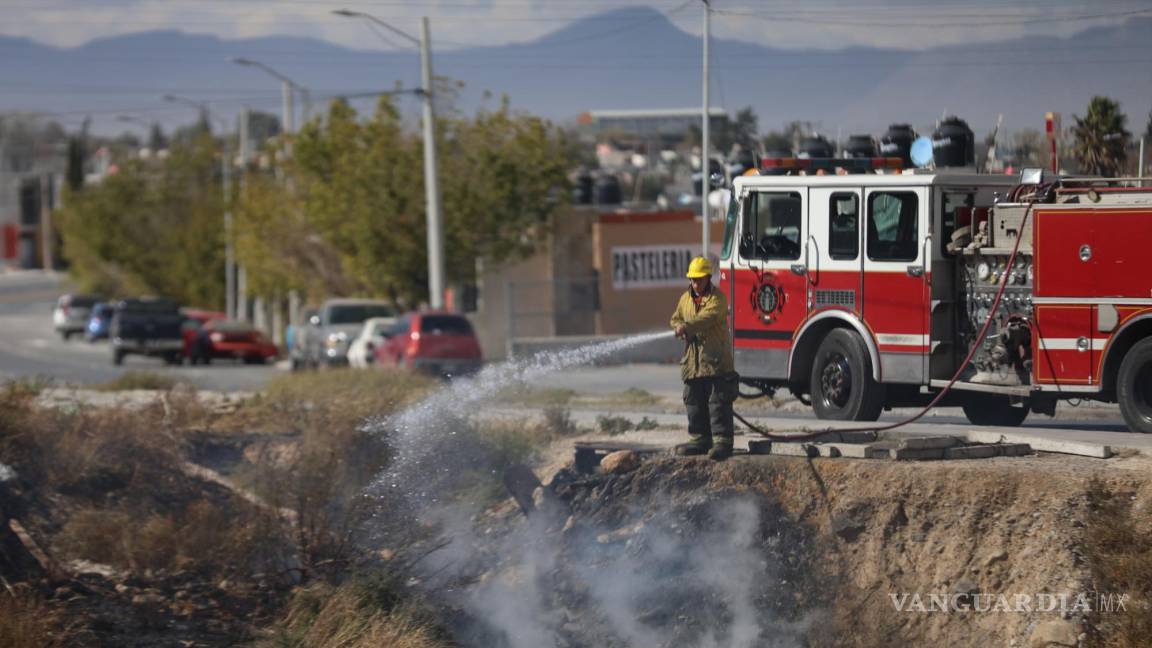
(783, 166)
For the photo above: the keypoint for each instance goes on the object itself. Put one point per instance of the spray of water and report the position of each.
(517, 596)
(420, 433)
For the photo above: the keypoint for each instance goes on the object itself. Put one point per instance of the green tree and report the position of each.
(1101, 139)
(157, 140)
(353, 221)
(151, 228)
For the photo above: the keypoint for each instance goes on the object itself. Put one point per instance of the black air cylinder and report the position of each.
(953, 144)
(897, 142)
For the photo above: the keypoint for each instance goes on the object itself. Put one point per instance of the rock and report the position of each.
(1053, 633)
(620, 462)
(147, 598)
(966, 592)
(846, 527)
(999, 556)
(569, 524)
(385, 554)
(620, 535)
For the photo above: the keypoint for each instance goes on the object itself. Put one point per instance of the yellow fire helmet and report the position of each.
(700, 267)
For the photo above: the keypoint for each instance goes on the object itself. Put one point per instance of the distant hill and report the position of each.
(629, 58)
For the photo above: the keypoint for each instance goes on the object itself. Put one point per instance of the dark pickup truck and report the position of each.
(147, 326)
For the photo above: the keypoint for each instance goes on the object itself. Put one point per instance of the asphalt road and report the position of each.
(29, 347)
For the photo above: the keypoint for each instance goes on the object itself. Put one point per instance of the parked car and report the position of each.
(71, 313)
(147, 326)
(224, 338)
(99, 322)
(194, 320)
(362, 351)
(330, 331)
(442, 344)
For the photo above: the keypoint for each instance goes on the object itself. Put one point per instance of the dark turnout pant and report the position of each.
(709, 404)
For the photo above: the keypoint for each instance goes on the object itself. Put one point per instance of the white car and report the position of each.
(361, 353)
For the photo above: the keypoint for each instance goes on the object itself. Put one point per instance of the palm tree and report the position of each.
(1101, 139)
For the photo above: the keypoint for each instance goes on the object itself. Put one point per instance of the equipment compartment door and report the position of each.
(896, 280)
(771, 279)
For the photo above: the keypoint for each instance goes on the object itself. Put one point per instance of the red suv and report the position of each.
(439, 343)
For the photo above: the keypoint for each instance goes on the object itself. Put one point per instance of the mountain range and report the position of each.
(632, 58)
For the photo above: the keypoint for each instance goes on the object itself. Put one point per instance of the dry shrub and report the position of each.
(1119, 551)
(25, 621)
(363, 614)
(340, 398)
(133, 380)
(205, 536)
(107, 449)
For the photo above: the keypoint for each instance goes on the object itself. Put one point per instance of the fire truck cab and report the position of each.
(863, 292)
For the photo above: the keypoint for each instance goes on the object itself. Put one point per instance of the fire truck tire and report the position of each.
(1134, 387)
(842, 385)
(993, 409)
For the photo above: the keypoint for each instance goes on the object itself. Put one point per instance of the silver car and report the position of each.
(70, 316)
(331, 330)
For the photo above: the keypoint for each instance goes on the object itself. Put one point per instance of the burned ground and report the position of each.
(284, 535)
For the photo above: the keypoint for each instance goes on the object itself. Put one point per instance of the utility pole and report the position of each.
(705, 170)
(229, 250)
(431, 178)
(431, 175)
(287, 109)
(1140, 162)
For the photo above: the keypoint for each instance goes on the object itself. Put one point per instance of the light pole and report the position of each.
(431, 178)
(226, 180)
(287, 85)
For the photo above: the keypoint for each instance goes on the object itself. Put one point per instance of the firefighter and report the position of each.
(710, 381)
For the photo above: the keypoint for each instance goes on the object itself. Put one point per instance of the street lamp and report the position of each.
(431, 179)
(287, 86)
(226, 180)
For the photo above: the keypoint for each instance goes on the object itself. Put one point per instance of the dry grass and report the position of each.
(133, 380)
(361, 614)
(1119, 551)
(27, 621)
(341, 398)
(205, 536)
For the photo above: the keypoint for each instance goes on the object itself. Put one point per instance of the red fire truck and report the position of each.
(863, 292)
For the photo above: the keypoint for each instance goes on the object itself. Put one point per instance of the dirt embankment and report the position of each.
(780, 551)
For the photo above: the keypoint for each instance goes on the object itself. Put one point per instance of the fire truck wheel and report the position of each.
(841, 384)
(1134, 387)
(993, 409)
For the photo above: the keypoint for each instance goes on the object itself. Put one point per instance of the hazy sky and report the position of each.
(457, 23)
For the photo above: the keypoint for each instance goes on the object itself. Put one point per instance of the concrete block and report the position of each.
(759, 446)
(850, 450)
(970, 452)
(1013, 449)
(1041, 444)
(795, 449)
(915, 454)
(926, 442)
(826, 450)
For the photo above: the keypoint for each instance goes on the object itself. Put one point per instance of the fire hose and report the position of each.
(943, 392)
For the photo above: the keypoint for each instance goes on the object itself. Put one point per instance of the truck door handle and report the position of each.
(799, 269)
(915, 271)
